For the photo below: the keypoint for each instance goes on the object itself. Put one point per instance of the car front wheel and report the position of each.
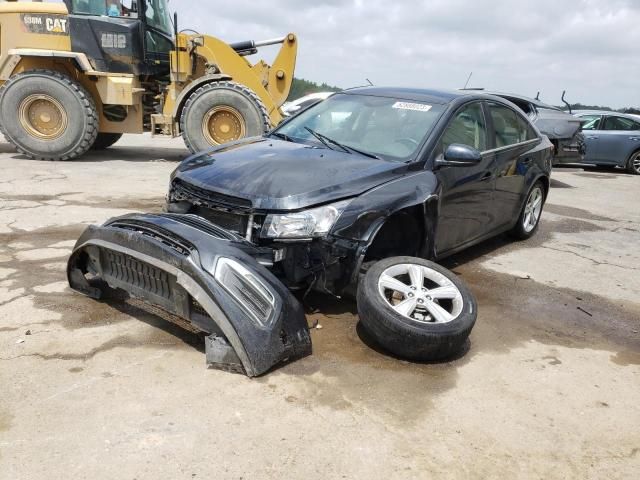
(416, 309)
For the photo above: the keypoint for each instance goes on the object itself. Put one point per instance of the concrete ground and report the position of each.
(549, 387)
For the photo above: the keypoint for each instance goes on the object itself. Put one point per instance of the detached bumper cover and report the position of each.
(203, 274)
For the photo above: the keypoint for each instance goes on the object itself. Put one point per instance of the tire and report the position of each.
(411, 338)
(245, 113)
(633, 165)
(74, 127)
(105, 140)
(522, 231)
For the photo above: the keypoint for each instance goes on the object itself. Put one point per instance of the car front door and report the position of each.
(618, 138)
(591, 129)
(513, 139)
(466, 195)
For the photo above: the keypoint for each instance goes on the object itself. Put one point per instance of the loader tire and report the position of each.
(222, 112)
(47, 115)
(105, 140)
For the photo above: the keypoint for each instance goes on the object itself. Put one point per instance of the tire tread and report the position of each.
(91, 114)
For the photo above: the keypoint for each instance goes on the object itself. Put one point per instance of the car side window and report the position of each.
(468, 127)
(620, 124)
(590, 122)
(510, 128)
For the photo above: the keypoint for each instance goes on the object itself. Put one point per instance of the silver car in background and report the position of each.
(613, 139)
(559, 126)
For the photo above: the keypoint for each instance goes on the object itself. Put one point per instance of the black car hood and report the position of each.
(278, 175)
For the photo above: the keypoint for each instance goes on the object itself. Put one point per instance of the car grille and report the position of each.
(230, 213)
(211, 199)
(201, 224)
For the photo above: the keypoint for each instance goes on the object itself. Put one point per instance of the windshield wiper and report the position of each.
(283, 136)
(362, 152)
(346, 148)
(324, 140)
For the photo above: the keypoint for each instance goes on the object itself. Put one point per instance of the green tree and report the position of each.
(301, 87)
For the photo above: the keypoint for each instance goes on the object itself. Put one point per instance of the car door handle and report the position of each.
(526, 160)
(592, 138)
(486, 176)
(635, 139)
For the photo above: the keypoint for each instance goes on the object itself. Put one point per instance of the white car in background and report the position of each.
(290, 108)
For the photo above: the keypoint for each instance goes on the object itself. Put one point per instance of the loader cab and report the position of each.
(123, 36)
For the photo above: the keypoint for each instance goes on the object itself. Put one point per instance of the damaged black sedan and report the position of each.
(359, 194)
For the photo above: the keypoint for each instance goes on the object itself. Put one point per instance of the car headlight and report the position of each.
(315, 222)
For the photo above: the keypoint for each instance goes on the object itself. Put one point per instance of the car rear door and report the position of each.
(466, 198)
(618, 138)
(513, 138)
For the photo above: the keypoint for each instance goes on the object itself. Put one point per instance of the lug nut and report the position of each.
(420, 300)
(412, 287)
(410, 294)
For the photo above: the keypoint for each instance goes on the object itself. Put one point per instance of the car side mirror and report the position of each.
(458, 155)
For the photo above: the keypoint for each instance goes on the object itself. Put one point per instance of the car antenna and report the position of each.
(565, 102)
(467, 82)
(369, 82)
(538, 96)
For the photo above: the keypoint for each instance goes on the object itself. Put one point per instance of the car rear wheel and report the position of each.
(416, 309)
(634, 164)
(529, 219)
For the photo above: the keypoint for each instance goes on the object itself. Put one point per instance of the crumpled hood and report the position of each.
(279, 175)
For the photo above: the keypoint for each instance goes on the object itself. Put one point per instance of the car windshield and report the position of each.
(384, 127)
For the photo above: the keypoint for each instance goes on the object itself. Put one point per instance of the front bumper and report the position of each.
(169, 261)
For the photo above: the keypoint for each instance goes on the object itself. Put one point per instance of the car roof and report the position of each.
(430, 95)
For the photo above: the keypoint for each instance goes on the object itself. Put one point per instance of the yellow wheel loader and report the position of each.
(77, 75)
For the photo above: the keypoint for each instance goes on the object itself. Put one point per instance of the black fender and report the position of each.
(366, 215)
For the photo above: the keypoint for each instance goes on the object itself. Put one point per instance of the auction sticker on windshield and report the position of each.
(412, 106)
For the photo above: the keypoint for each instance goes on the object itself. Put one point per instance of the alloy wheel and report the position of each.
(420, 293)
(532, 210)
(635, 163)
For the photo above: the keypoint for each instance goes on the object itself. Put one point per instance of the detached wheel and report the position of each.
(416, 309)
(529, 219)
(47, 115)
(105, 140)
(633, 166)
(222, 112)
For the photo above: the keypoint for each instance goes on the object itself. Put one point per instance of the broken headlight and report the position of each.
(315, 222)
(251, 293)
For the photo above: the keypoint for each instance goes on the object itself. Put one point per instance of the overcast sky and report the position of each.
(588, 47)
